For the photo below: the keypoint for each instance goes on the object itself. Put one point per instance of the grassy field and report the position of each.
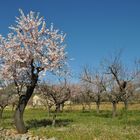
(79, 125)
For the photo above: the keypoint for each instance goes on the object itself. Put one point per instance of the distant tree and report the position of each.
(57, 94)
(84, 97)
(4, 99)
(26, 54)
(129, 95)
(120, 81)
(96, 82)
(44, 97)
(7, 97)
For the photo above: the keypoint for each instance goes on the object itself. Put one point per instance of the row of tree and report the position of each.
(31, 49)
(113, 80)
(113, 84)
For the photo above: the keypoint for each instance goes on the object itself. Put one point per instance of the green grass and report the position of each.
(78, 125)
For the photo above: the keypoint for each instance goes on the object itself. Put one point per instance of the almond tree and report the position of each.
(120, 87)
(85, 96)
(96, 81)
(129, 94)
(57, 94)
(29, 50)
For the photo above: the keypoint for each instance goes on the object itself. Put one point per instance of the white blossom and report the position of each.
(30, 40)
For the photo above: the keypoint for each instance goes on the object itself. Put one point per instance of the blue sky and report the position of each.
(94, 28)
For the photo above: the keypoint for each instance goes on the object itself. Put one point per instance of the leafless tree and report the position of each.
(96, 82)
(45, 99)
(84, 96)
(58, 94)
(120, 87)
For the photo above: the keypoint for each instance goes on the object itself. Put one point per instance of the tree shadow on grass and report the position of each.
(47, 122)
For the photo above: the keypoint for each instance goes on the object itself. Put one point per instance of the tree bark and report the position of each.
(114, 107)
(57, 108)
(18, 117)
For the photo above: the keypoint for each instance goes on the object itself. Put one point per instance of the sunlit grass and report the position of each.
(79, 125)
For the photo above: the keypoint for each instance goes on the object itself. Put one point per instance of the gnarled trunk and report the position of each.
(18, 117)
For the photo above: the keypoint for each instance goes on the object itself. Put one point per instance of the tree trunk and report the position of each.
(126, 105)
(114, 105)
(57, 108)
(18, 117)
(97, 107)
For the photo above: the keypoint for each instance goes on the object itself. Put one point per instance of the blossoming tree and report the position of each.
(29, 50)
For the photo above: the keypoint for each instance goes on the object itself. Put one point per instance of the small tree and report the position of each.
(119, 81)
(116, 83)
(96, 81)
(58, 94)
(84, 97)
(128, 95)
(28, 52)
